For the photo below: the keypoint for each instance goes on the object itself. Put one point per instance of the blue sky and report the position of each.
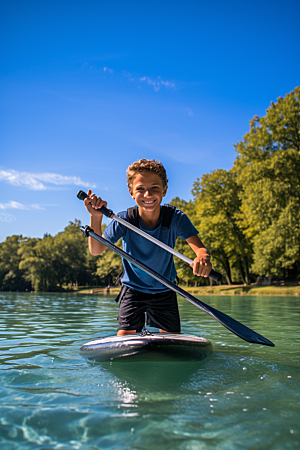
(89, 87)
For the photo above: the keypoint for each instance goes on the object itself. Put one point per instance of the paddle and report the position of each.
(216, 276)
(231, 324)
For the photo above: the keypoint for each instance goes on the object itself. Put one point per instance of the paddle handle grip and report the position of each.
(216, 276)
(107, 212)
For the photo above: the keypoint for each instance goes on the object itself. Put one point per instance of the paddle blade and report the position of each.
(231, 324)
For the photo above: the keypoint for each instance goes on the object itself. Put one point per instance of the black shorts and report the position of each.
(155, 310)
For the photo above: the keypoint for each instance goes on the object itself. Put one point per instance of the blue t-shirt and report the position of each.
(147, 252)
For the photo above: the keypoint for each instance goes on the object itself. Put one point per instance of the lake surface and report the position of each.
(243, 396)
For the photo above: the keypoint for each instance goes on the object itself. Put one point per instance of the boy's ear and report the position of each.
(130, 192)
(165, 190)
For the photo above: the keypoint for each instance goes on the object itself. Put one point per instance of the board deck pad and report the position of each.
(148, 346)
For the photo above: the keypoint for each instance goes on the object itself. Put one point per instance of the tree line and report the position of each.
(248, 216)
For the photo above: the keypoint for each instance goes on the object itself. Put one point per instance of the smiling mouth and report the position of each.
(149, 202)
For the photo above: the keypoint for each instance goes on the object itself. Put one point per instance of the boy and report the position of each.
(147, 183)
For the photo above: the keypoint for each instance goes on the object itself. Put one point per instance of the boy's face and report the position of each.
(147, 190)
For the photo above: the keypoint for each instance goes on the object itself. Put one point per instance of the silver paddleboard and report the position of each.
(148, 346)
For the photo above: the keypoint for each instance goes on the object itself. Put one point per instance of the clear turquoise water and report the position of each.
(244, 396)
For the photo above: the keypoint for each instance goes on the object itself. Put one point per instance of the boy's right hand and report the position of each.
(93, 204)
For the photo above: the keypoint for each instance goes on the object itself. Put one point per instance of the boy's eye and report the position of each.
(142, 189)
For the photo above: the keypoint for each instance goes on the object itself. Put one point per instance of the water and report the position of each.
(244, 396)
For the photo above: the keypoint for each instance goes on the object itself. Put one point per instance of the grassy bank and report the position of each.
(246, 290)
(293, 290)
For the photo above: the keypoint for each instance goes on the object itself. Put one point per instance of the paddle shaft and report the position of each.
(216, 276)
(231, 324)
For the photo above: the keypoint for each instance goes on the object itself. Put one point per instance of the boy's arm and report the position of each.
(92, 204)
(202, 265)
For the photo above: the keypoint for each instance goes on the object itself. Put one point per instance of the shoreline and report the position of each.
(233, 290)
(291, 290)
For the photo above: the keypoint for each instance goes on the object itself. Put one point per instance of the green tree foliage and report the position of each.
(268, 168)
(49, 263)
(184, 271)
(70, 252)
(12, 277)
(54, 261)
(217, 214)
(278, 130)
(271, 212)
(38, 258)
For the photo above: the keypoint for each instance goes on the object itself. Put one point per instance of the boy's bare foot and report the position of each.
(173, 332)
(124, 332)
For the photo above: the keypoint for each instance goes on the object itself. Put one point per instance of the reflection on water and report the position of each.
(242, 396)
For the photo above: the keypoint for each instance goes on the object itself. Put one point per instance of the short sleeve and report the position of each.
(185, 228)
(114, 231)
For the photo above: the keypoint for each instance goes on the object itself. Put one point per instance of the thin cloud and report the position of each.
(93, 68)
(35, 206)
(16, 205)
(5, 217)
(39, 181)
(12, 205)
(156, 83)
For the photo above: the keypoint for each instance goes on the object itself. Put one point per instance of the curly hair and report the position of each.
(146, 164)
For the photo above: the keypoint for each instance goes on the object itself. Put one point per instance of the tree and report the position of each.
(12, 278)
(278, 130)
(271, 213)
(268, 168)
(184, 271)
(54, 261)
(38, 259)
(217, 219)
(70, 247)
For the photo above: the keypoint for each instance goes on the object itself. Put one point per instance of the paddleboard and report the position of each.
(149, 346)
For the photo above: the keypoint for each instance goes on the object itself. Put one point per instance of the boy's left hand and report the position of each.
(202, 265)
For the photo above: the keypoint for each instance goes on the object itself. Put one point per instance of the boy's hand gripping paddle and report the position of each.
(216, 276)
(231, 324)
